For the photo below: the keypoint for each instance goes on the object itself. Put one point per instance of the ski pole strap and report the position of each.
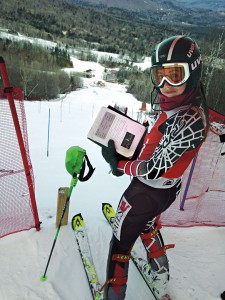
(151, 234)
(121, 257)
(115, 281)
(90, 172)
(161, 251)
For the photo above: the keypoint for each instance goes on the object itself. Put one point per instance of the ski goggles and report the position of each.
(174, 74)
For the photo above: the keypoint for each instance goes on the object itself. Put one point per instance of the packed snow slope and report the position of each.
(196, 263)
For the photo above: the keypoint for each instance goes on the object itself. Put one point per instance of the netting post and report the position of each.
(9, 92)
(188, 182)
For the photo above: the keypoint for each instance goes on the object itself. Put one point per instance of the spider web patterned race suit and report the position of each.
(167, 151)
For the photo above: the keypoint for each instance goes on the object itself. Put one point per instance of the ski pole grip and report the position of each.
(74, 160)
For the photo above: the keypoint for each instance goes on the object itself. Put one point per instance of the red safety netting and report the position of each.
(17, 204)
(204, 203)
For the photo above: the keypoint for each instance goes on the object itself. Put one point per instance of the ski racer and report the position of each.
(168, 149)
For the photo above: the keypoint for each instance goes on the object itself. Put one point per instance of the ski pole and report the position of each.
(74, 165)
(72, 185)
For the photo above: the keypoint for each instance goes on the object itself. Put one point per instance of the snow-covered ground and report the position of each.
(4, 34)
(197, 264)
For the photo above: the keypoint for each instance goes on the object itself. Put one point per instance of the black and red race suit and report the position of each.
(167, 151)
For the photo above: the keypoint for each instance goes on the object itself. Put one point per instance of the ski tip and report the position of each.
(107, 209)
(43, 278)
(106, 205)
(77, 221)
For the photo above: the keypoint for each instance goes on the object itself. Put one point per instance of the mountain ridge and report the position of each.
(146, 4)
(175, 12)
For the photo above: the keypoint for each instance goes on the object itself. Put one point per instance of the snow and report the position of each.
(196, 263)
(4, 34)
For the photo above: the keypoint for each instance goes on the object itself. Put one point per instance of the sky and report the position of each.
(197, 263)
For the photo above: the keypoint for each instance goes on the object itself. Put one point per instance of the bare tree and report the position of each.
(213, 61)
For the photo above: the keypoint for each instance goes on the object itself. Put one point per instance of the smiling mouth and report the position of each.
(169, 91)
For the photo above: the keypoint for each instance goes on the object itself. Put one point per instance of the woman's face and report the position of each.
(172, 91)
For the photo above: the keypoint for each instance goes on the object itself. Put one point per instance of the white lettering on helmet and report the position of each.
(191, 50)
(196, 63)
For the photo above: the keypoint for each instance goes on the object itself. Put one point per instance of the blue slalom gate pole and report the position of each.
(49, 117)
(188, 182)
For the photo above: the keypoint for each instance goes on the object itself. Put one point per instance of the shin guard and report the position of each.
(157, 258)
(117, 272)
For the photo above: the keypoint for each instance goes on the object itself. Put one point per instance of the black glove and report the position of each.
(111, 157)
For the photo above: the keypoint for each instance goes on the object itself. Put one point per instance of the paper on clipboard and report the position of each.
(125, 132)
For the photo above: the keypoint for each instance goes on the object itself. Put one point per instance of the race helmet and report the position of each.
(176, 60)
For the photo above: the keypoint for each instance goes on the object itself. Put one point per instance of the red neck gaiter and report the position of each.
(174, 102)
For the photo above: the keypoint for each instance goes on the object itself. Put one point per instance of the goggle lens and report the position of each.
(174, 74)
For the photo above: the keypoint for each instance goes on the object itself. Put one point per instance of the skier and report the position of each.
(167, 151)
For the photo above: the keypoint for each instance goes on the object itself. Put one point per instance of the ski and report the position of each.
(141, 264)
(86, 256)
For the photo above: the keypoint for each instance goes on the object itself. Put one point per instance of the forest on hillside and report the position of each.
(115, 31)
(38, 71)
